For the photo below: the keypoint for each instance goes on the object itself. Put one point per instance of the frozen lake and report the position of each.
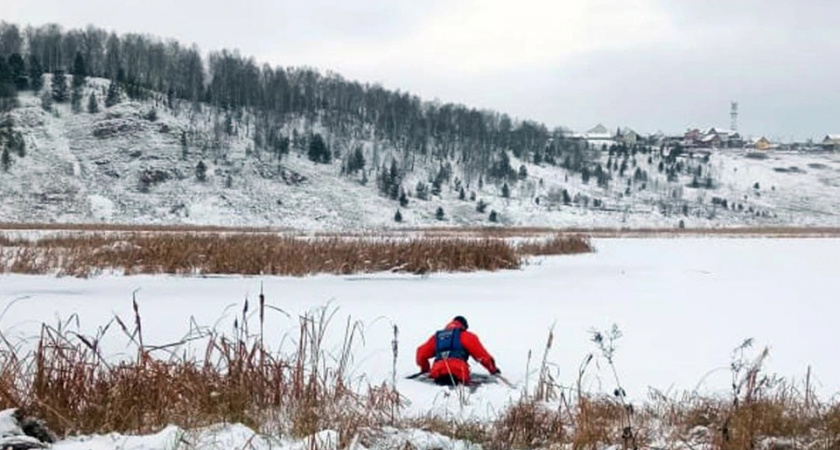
(682, 304)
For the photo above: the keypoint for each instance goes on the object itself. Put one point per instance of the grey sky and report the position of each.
(648, 64)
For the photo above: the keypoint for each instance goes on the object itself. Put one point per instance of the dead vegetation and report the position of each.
(76, 389)
(268, 254)
(492, 231)
(69, 383)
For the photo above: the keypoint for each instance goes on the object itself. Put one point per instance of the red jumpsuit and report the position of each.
(455, 367)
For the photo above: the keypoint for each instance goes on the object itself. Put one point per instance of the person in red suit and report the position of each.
(452, 347)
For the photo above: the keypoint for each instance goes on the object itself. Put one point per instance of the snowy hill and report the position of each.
(136, 162)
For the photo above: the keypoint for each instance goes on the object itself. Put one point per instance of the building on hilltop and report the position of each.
(831, 142)
(712, 138)
(760, 143)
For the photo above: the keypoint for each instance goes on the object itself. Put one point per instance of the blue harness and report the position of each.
(448, 345)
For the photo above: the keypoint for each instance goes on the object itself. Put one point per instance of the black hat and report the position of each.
(462, 320)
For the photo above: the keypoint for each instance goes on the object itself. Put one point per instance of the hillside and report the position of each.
(147, 131)
(128, 164)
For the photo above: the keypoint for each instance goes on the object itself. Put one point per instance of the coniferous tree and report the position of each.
(184, 147)
(436, 187)
(78, 83)
(318, 151)
(358, 159)
(8, 92)
(93, 104)
(493, 216)
(420, 191)
(403, 199)
(567, 199)
(439, 215)
(113, 96)
(36, 74)
(523, 172)
(6, 159)
(398, 216)
(59, 87)
(18, 68)
(505, 191)
(201, 171)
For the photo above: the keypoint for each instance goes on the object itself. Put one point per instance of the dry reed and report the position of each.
(254, 254)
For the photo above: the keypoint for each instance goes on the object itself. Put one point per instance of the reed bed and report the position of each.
(268, 254)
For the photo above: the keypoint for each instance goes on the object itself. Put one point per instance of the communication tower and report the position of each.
(733, 116)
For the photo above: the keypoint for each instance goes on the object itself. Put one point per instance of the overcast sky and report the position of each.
(647, 64)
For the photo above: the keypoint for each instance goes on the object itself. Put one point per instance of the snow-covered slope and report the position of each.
(127, 164)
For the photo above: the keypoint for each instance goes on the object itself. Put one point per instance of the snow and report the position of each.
(683, 305)
(8, 424)
(224, 437)
(101, 207)
(71, 175)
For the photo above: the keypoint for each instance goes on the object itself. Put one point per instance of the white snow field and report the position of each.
(682, 304)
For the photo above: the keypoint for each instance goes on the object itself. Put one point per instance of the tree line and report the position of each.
(478, 139)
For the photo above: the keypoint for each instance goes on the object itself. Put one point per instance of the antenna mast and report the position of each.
(733, 116)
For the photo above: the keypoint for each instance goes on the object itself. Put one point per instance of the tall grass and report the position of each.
(252, 254)
(67, 381)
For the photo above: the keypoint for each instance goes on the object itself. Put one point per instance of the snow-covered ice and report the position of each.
(682, 304)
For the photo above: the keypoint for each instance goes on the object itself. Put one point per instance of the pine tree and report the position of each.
(505, 191)
(463, 194)
(79, 70)
(403, 199)
(18, 68)
(201, 171)
(6, 159)
(436, 187)
(93, 104)
(318, 151)
(356, 161)
(420, 191)
(113, 96)
(36, 74)
(398, 216)
(439, 215)
(76, 99)
(8, 92)
(481, 206)
(184, 147)
(584, 175)
(59, 87)
(78, 83)
(493, 216)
